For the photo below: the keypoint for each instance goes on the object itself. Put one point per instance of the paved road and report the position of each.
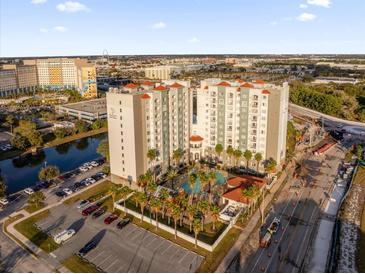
(298, 210)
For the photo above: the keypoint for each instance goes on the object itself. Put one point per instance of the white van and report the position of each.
(64, 236)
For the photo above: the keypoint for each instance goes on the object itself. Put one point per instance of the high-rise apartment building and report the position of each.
(162, 72)
(147, 116)
(246, 116)
(18, 78)
(67, 73)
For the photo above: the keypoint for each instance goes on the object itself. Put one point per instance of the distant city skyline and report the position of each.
(60, 27)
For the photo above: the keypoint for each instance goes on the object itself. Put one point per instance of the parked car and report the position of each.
(87, 248)
(99, 212)
(4, 201)
(61, 194)
(83, 203)
(111, 218)
(64, 236)
(83, 169)
(101, 174)
(123, 223)
(90, 210)
(28, 191)
(94, 163)
(67, 191)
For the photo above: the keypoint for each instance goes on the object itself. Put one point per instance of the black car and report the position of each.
(88, 247)
(61, 194)
(123, 223)
(99, 212)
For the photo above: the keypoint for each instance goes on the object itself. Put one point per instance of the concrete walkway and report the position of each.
(48, 258)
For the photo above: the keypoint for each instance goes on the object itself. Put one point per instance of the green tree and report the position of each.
(155, 206)
(211, 181)
(81, 126)
(176, 215)
(191, 211)
(237, 155)
(270, 165)
(151, 187)
(164, 195)
(2, 188)
(10, 121)
(230, 153)
(19, 142)
(114, 191)
(25, 128)
(203, 206)
(60, 133)
(35, 138)
(152, 156)
(124, 192)
(48, 173)
(177, 155)
(142, 201)
(171, 176)
(36, 198)
(214, 212)
(248, 156)
(218, 150)
(97, 124)
(258, 159)
(103, 150)
(197, 229)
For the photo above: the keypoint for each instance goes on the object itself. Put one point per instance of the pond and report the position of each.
(19, 173)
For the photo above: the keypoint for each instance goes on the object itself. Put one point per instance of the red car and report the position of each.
(87, 211)
(111, 218)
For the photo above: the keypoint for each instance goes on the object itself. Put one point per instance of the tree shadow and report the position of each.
(77, 225)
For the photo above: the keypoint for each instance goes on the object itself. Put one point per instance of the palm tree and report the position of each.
(258, 159)
(124, 193)
(252, 192)
(142, 200)
(192, 180)
(230, 152)
(152, 155)
(169, 209)
(176, 215)
(270, 166)
(248, 156)
(141, 181)
(191, 211)
(203, 177)
(164, 195)
(36, 198)
(177, 155)
(114, 191)
(204, 208)
(237, 154)
(171, 176)
(218, 150)
(214, 212)
(197, 229)
(155, 206)
(211, 180)
(151, 188)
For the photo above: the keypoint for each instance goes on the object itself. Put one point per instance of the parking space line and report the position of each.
(112, 264)
(170, 245)
(182, 258)
(102, 252)
(90, 256)
(103, 261)
(120, 268)
(151, 242)
(157, 247)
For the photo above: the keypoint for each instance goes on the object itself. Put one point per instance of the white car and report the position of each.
(83, 169)
(91, 180)
(94, 164)
(4, 201)
(64, 236)
(28, 191)
(67, 191)
(83, 203)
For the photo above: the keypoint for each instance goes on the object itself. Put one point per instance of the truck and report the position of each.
(265, 241)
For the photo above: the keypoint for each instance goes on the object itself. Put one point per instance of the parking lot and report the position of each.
(131, 249)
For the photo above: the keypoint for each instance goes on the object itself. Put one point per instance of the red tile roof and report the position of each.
(160, 88)
(176, 85)
(259, 82)
(224, 84)
(148, 83)
(265, 91)
(196, 138)
(240, 81)
(131, 85)
(145, 96)
(236, 195)
(247, 85)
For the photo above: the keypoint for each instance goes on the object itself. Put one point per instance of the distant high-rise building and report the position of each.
(162, 72)
(246, 116)
(149, 116)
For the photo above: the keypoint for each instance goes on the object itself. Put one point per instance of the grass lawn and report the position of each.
(33, 208)
(77, 265)
(36, 236)
(75, 137)
(93, 193)
(360, 176)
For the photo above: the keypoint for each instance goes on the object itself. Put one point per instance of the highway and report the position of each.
(298, 210)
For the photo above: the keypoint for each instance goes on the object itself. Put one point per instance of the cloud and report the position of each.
(273, 23)
(303, 6)
(70, 6)
(321, 3)
(60, 29)
(44, 30)
(304, 17)
(159, 25)
(193, 40)
(36, 2)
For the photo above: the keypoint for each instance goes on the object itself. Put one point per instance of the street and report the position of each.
(298, 210)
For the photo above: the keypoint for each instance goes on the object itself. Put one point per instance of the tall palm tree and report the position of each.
(155, 206)
(169, 208)
(142, 200)
(270, 166)
(258, 159)
(141, 181)
(151, 188)
(214, 212)
(204, 208)
(237, 155)
(152, 155)
(211, 181)
(252, 192)
(177, 155)
(191, 211)
(197, 229)
(171, 176)
(164, 195)
(176, 215)
(124, 194)
(218, 150)
(203, 177)
(114, 191)
(248, 156)
(230, 152)
(192, 181)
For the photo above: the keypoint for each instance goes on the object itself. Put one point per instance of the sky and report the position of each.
(88, 27)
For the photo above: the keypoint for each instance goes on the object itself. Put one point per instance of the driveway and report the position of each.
(131, 249)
